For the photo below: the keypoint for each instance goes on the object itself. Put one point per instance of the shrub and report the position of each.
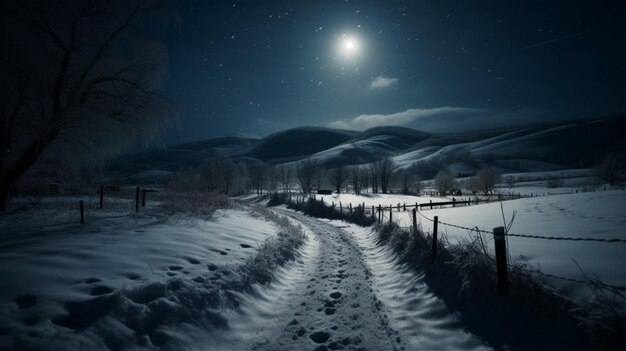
(319, 209)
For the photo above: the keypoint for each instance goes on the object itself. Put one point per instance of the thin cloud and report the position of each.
(439, 119)
(382, 82)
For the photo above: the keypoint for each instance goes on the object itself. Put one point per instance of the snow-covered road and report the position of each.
(344, 293)
(330, 304)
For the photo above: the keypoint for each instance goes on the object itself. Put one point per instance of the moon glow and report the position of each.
(348, 46)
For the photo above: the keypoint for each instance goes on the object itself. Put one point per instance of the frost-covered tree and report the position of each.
(80, 80)
(444, 182)
(488, 178)
(473, 184)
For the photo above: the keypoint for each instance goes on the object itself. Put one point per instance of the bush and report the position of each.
(193, 203)
(319, 209)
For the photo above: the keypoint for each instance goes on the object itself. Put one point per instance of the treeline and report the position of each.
(236, 178)
(231, 177)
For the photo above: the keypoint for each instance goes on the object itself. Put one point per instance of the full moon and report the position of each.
(348, 46)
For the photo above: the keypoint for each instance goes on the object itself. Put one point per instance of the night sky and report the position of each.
(251, 68)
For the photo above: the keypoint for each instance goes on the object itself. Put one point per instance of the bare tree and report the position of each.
(488, 177)
(305, 172)
(337, 177)
(473, 184)
(373, 177)
(407, 180)
(81, 76)
(272, 179)
(355, 179)
(610, 169)
(384, 170)
(227, 174)
(208, 176)
(444, 182)
(258, 177)
(510, 181)
(284, 173)
(364, 179)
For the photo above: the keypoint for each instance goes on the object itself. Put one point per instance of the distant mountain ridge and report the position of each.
(575, 144)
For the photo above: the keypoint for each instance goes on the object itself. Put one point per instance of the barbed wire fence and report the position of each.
(392, 213)
(593, 282)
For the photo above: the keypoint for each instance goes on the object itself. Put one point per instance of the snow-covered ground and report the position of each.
(600, 214)
(151, 281)
(60, 279)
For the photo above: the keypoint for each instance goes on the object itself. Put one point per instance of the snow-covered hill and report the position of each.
(547, 147)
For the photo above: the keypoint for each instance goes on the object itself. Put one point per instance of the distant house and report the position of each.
(324, 192)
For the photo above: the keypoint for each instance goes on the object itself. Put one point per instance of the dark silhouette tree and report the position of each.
(384, 170)
(337, 177)
(80, 80)
(306, 171)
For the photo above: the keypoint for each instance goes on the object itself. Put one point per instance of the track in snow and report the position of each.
(325, 300)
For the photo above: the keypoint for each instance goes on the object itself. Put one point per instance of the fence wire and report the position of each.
(530, 236)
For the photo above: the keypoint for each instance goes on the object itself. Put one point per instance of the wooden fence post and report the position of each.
(82, 212)
(101, 196)
(351, 207)
(431, 204)
(340, 208)
(501, 265)
(414, 221)
(453, 202)
(390, 214)
(435, 224)
(380, 212)
(373, 212)
(137, 199)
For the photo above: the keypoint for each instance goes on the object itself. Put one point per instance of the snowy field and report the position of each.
(600, 214)
(60, 279)
(151, 281)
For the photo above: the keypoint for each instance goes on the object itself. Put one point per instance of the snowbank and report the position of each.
(139, 281)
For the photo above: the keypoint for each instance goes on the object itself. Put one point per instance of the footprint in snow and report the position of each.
(193, 260)
(320, 337)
